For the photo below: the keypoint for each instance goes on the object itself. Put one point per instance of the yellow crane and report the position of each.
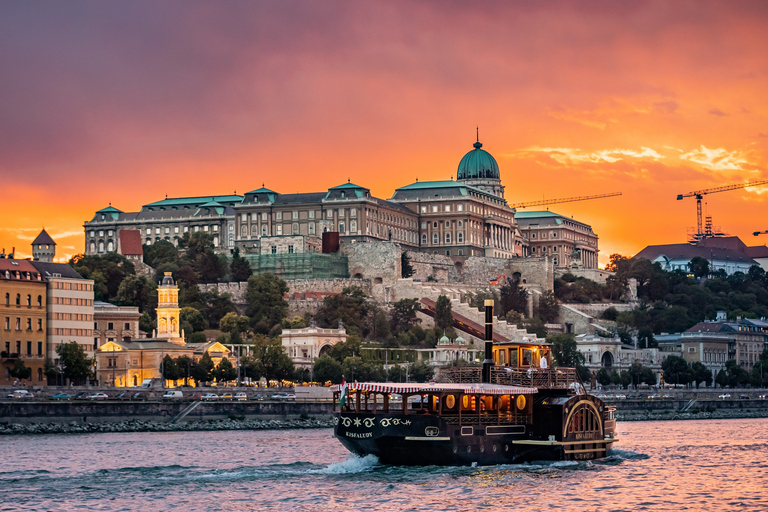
(699, 195)
(562, 200)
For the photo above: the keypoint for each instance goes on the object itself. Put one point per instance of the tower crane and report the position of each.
(699, 195)
(760, 233)
(562, 200)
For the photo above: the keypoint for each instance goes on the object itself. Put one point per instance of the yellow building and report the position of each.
(23, 324)
(131, 362)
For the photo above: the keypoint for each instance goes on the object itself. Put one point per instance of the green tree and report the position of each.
(137, 291)
(327, 369)
(20, 370)
(699, 266)
(405, 265)
(170, 369)
(737, 376)
(512, 298)
(202, 370)
(548, 308)
(351, 307)
(345, 349)
(191, 320)
(701, 374)
(274, 362)
(626, 379)
(565, 351)
(239, 268)
(721, 379)
(404, 315)
(199, 253)
(159, 253)
(224, 371)
(184, 368)
(615, 378)
(676, 370)
(76, 365)
(380, 326)
(108, 271)
(443, 313)
(603, 377)
(235, 324)
(356, 369)
(266, 303)
(421, 371)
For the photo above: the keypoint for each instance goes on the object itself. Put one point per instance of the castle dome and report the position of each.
(478, 164)
(167, 279)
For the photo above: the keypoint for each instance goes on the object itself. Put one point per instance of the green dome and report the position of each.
(478, 164)
(444, 340)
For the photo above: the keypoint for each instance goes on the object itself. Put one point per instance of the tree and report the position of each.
(266, 303)
(159, 253)
(404, 315)
(351, 307)
(614, 262)
(341, 351)
(20, 370)
(239, 268)
(76, 365)
(405, 265)
(513, 298)
(565, 351)
(235, 324)
(225, 372)
(107, 271)
(443, 314)
(626, 379)
(380, 325)
(737, 376)
(548, 308)
(327, 369)
(191, 320)
(701, 374)
(199, 253)
(603, 377)
(676, 370)
(699, 266)
(202, 370)
(170, 369)
(273, 362)
(137, 291)
(721, 379)
(421, 371)
(184, 368)
(355, 369)
(615, 378)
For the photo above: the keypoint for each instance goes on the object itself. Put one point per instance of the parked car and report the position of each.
(259, 396)
(125, 395)
(744, 397)
(98, 396)
(173, 394)
(666, 395)
(241, 396)
(21, 393)
(283, 397)
(620, 396)
(653, 396)
(139, 396)
(81, 395)
(226, 396)
(724, 396)
(761, 397)
(61, 396)
(209, 396)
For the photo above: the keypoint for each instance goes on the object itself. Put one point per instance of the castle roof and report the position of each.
(43, 238)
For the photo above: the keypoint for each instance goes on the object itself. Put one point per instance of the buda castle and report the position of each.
(461, 218)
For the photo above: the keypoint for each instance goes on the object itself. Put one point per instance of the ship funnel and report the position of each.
(488, 362)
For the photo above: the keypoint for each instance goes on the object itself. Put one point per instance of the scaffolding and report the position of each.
(304, 265)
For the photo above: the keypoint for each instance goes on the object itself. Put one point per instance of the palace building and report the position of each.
(461, 218)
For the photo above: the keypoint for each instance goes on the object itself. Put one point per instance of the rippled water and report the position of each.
(671, 465)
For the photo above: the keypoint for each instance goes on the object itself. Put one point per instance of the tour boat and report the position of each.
(474, 415)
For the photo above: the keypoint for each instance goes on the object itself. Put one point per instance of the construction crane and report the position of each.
(699, 195)
(562, 200)
(760, 233)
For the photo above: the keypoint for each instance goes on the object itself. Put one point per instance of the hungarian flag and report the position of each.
(344, 393)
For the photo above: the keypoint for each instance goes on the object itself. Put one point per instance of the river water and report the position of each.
(672, 465)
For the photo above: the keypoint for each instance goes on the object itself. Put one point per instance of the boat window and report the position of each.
(527, 357)
(513, 358)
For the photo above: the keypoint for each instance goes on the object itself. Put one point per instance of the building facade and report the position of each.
(70, 308)
(305, 345)
(23, 304)
(114, 323)
(568, 242)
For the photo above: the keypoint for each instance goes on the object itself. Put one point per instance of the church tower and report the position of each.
(43, 248)
(168, 311)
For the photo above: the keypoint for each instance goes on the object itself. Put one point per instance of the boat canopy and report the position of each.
(467, 389)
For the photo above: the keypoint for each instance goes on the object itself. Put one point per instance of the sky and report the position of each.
(123, 103)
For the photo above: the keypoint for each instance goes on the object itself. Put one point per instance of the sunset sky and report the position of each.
(125, 102)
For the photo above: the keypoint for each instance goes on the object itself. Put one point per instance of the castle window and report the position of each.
(342, 228)
(311, 227)
(434, 225)
(294, 215)
(279, 230)
(205, 228)
(460, 237)
(290, 249)
(459, 207)
(39, 301)
(311, 214)
(216, 228)
(263, 230)
(423, 209)
(279, 216)
(353, 212)
(274, 249)
(295, 228)
(434, 209)
(447, 224)
(110, 246)
(435, 239)
(424, 239)
(29, 300)
(353, 226)
(328, 214)
(447, 238)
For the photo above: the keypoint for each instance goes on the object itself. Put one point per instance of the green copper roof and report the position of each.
(476, 164)
(536, 215)
(262, 190)
(433, 184)
(195, 201)
(212, 204)
(346, 185)
(109, 209)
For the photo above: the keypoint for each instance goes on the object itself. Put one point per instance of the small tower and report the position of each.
(168, 311)
(43, 248)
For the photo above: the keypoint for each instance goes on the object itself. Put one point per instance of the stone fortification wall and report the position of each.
(596, 310)
(295, 286)
(378, 262)
(593, 274)
(437, 266)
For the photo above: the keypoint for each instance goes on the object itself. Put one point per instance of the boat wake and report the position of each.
(354, 464)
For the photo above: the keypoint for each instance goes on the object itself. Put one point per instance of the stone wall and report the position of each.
(593, 274)
(596, 310)
(436, 266)
(379, 262)
(302, 287)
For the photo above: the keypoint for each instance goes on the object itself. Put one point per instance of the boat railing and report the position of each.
(542, 378)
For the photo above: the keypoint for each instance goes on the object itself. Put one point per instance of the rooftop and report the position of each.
(43, 238)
